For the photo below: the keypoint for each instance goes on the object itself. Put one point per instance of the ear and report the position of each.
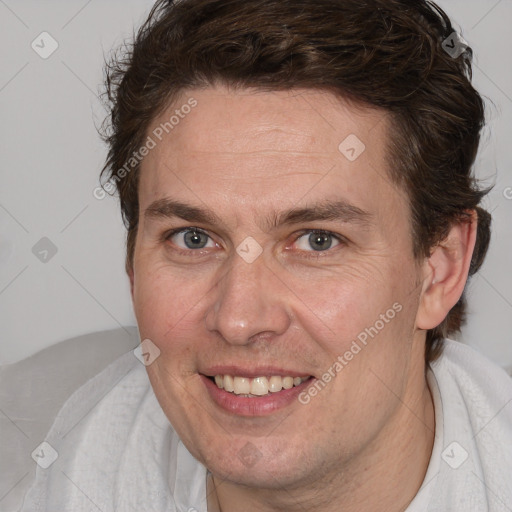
(445, 273)
(131, 275)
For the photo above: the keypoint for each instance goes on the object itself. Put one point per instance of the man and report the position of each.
(296, 182)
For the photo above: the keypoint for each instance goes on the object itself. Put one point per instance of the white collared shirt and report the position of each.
(118, 452)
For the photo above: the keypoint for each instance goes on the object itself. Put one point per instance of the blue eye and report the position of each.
(317, 240)
(191, 238)
(312, 241)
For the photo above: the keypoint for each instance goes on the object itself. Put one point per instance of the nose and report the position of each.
(249, 303)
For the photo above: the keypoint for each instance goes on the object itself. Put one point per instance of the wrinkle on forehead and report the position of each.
(250, 120)
(261, 152)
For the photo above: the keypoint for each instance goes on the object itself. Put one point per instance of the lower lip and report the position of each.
(257, 406)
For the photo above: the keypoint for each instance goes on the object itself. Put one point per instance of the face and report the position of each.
(269, 256)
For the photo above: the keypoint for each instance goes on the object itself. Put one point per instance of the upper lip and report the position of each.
(252, 372)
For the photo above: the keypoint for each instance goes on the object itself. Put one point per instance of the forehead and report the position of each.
(248, 120)
(250, 151)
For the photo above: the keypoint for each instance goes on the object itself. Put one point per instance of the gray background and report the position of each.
(51, 156)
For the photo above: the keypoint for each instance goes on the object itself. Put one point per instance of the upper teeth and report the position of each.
(258, 386)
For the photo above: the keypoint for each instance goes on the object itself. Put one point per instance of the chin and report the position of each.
(240, 461)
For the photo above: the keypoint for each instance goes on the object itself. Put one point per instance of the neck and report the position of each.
(385, 476)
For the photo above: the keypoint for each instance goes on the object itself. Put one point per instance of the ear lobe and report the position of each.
(446, 272)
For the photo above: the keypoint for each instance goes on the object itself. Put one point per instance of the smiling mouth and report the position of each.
(258, 386)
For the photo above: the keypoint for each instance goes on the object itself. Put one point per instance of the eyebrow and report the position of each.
(328, 210)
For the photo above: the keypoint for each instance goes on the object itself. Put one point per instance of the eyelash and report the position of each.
(306, 254)
(320, 254)
(185, 252)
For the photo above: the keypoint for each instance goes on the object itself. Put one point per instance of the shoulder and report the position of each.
(476, 396)
(474, 422)
(472, 370)
(108, 423)
(484, 387)
(32, 392)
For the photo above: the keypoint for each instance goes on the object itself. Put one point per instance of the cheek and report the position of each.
(346, 297)
(165, 300)
(367, 301)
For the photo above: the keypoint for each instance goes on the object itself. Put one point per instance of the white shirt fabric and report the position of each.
(118, 452)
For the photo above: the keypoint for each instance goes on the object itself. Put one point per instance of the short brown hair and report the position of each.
(383, 53)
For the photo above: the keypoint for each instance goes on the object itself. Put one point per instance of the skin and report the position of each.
(365, 440)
